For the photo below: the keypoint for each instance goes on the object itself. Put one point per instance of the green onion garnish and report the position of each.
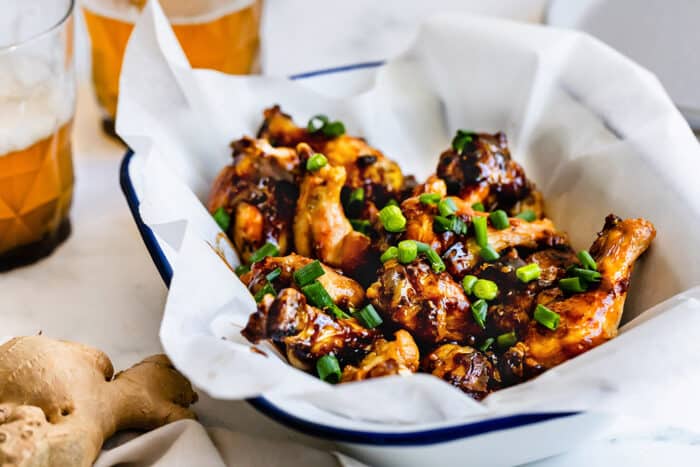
(586, 274)
(268, 249)
(267, 289)
(441, 224)
(572, 284)
(318, 297)
(274, 274)
(479, 309)
(546, 317)
(222, 218)
(458, 226)
(447, 207)
(357, 196)
(242, 269)
(435, 261)
(429, 198)
(468, 284)
(488, 254)
(507, 339)
(422, 247)
(528, 273)
(587, 260)
(316, 123)
(361, 225)
(309, 273)
(480, 231)
(408, 251)
(392, 219)
(461, 139)
(328, 369)
(333, 129)
(391, 202)
(499, 219)
(527, 215)
(390, 253)
(316, 162)
(369, 317)
(485, 289)
(487, 343)
(479, 207)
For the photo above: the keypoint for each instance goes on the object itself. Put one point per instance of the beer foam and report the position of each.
(177, 11)
(36, 99)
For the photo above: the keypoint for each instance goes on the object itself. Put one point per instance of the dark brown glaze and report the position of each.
(463, 367)
(259, 193)
(484, 172)
(397, 357)
(305, 333)
(345, 292)
(432, 306)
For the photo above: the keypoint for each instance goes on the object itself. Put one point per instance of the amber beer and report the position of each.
(221, 35)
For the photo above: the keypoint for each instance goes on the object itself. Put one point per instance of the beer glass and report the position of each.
(216, 34)
(37, 103)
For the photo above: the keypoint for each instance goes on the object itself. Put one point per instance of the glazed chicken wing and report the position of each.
(463, 367)
(397, 357)
(258, 193)
(305, 333)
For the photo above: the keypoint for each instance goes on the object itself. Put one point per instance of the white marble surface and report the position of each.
(102, 289)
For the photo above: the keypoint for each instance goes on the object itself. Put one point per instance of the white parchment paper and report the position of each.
(596, 132)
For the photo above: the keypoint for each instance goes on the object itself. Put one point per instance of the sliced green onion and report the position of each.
(408, 251)
(267, 289)
(361, 225)
(458, 226)
(222, 218)
(309, 273)
(447, 207)
(528, 273)
(546, 317)
(480, 231)
(357, 196)
(391, 202)
(499, 219)
(527, 215)
(338, 312)
(392, 219)
(274, 274)
(586, 274)
(390, 253)
(429, 198)
(435, 261)
(488, 254)
(422, 247)
(479, 310)
(485, 289)
(479, 207)
(572, 284)
(316, 123)
(268, 249)
(333, 129)
(242, 269)
(507, 340)
(328, 369)
(587, 260)
(487, 343)
(468, 284)
(461, 139)
(318, 297)
(369, 317)
(441, 224)
(316, 162)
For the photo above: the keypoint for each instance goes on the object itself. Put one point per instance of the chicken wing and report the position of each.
(258, 192)
(591, 318)
(463, 367)
(305, 333)
(344, 291)
(432, 306)
(397, 357)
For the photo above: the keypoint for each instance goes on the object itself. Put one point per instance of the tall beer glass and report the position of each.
(37, 103)
(216, 34)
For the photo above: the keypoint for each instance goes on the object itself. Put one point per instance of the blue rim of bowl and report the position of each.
(265, 406)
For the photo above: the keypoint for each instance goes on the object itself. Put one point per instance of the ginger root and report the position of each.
(59, 401)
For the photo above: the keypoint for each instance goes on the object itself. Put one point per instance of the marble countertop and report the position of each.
(102, 289)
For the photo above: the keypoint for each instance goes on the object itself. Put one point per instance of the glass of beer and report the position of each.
(221, 35)
(37, 103)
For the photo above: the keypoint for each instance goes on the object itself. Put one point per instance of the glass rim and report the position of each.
(61, 21)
